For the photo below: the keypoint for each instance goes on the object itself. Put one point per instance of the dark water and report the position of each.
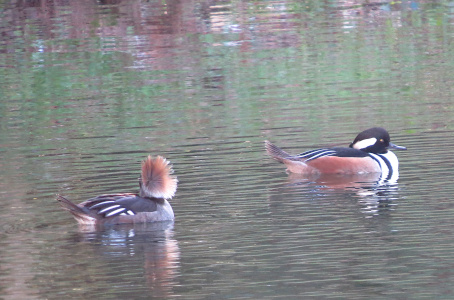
(88, 89)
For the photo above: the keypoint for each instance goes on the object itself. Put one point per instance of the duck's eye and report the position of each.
(381, 140)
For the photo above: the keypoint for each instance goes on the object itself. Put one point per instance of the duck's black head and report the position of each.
(374, 140)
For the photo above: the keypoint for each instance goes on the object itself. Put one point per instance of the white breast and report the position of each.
(387, 174)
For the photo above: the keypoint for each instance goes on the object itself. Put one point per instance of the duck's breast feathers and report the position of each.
(120, 205)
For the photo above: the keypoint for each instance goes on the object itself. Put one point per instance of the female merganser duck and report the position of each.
(367, 154)
(150, 205)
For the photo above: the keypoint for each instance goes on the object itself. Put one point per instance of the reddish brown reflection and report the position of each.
(152, 244)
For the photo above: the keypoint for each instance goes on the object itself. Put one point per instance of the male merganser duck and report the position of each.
(367, 154)
(150, 205)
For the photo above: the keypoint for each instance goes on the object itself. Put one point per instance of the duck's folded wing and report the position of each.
(313, 154)
(336, 151)
(120, 205)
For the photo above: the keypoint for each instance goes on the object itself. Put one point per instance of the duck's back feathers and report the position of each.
(124, 204)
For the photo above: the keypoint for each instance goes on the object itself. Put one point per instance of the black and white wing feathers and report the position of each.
(336, 151)
(120, 205)
(313, 154)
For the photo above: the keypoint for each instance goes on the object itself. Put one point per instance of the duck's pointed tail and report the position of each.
(294, 163)
(157, 180)
(276, 152)
(79, 214)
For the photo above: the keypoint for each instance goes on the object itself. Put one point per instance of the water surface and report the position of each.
(89, 89)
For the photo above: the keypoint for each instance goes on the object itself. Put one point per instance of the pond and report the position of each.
(89, 89)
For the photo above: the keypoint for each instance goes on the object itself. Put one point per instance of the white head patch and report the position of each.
(365, 143)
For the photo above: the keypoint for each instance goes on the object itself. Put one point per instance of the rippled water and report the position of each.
(89, 89)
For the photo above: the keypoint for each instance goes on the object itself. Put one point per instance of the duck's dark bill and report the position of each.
(396, 147)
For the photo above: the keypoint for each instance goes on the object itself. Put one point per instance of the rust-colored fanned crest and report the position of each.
(157, 181)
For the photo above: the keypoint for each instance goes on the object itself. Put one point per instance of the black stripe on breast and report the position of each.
(388, 164)
(386, 161)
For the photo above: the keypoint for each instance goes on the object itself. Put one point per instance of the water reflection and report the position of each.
(374, 196)
(153, 243)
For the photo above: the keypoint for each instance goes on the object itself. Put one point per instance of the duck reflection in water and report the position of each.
(123, 246)
(374, 195)
(129, 228)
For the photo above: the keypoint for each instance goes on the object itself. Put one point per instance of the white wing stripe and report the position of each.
(108, 208)
(326, 153)
(112, 213)
(312, 152)
(101, 204)
(317, 153)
